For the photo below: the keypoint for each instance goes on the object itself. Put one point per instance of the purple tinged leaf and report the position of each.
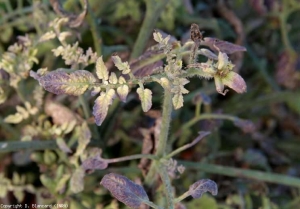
(60, 82)
(223, 46)
(235, 81)
(197, 189)
(125, 190)
(101, 105)
(94, 163)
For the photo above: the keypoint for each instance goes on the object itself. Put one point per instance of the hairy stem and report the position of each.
(154, 8)
(165, 123)
(168, 187)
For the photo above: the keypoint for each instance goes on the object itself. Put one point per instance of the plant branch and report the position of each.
(131, 157)
(153, 10)
(182, 197)
(165, 123)
(243, 173)
(167, 185)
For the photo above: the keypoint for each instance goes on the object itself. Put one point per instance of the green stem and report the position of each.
(202, 117)
(284, 33)
(182, 197)
(154, 8)
(167, 184)
(151, 204)
(165, 123)
(94, 30)
(86, 109)
(243, 173)
(131, 157)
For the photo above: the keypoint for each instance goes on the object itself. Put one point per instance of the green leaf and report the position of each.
(204, 202)
(48, 182)
(101, 105)
(122, 66)
(101, 69)
(177, 101)
(61, 184)
(145, 97)
(76, 182)
(60, 82)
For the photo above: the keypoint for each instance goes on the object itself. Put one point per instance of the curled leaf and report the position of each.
(60, 114)
(145, 97)
(125, 190)
(122, 66)
(60, 82)
(222, 46)
(101, 105)
(197, 189)
(74, 20)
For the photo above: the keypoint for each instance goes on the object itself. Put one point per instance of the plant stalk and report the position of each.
(154, 8)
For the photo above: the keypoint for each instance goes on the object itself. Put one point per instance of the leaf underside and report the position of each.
(125, 190)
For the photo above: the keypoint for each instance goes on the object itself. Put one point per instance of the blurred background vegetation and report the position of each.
(244, 159)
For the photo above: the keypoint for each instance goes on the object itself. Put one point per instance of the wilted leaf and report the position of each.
(177, 101)
(101, 69)
(101, 105)
(223, 46)
(122, 66)
(145, 97)
(74, 20)
(83, 138)
(125, 190)
(60, 82)
(60, 114)
(123, 92)
(205, 185)
(94, 163)
(77, 180)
